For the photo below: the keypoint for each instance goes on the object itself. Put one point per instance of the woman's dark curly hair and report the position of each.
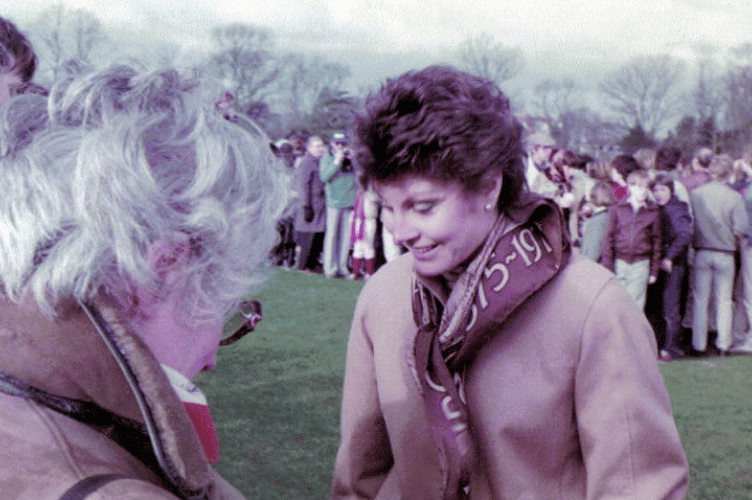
(16, 54)
(445, 125)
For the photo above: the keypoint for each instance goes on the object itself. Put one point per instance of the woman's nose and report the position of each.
(402, 230)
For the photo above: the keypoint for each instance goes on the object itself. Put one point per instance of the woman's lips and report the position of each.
(423, 251)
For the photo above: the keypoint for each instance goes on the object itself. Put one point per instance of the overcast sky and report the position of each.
(556, 36)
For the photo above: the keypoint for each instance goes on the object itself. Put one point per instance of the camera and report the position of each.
(347, 164)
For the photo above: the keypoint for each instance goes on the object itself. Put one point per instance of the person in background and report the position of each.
(696, 174)
(699, 169)
(632, 240)
(594, 226)
(646, 157)
(575, 189)
(17, 60)
(541, 179)
(721, 221)
(391, 249)
(619, 169)
(310, 214)
(134, 229)
(667, 162)
(490, 361)
(676, 234)
(338, 174)
(284, 252)
(741, 174)
(364, 234)
(742, 322)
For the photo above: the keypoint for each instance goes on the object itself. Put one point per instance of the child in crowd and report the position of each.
(364, 233)
(676, 232)
(619, 169)
(594, 226)
(632, 241)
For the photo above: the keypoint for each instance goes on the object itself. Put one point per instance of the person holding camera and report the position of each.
(338, 173)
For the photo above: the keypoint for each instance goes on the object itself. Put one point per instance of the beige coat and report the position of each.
(565, 403)
(44, 452)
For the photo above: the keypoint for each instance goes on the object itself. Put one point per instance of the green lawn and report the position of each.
(275, 397)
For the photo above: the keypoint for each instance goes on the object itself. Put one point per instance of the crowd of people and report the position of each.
(649, 217)
(332, 225)
(676, 232)
(506, 349)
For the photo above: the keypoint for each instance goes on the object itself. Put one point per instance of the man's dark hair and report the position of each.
(445, 125)
(667, 157)
(625, 165)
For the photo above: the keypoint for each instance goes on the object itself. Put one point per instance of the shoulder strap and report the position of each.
(89, 485)
(128, 433)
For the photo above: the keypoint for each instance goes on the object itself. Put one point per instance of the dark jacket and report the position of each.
(676, 230)
(311, 194)
(632, 236)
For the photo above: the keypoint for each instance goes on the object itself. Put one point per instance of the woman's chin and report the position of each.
(431, 267)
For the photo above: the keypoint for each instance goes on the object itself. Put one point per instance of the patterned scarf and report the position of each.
(525, 249)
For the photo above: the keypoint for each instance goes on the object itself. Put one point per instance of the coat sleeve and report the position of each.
(609, 234)
(657, 245)
(593, 231)
(328, 168)
(739, 219)
(629, 442)
(681, 227)
(364, 458)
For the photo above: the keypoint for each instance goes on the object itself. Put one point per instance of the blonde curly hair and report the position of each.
(117, 159)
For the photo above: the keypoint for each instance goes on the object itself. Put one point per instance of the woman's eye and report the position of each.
(423, 207)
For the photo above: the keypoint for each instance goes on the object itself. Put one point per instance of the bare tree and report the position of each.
(490, 59)
(67, 35)
(86, 31)
(244, 60)
(645, 92)
(738, 86)
(709, 92)
(559, 103)
(306, 77)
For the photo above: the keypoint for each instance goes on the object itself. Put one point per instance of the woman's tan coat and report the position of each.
(43, 452)
(565, 403)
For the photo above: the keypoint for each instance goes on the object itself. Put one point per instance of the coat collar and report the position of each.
(66, 356)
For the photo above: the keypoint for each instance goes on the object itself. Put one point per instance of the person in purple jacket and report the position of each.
(676, 232)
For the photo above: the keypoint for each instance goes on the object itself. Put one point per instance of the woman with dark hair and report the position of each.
(17, 60)
(489, 361)
(676, 235)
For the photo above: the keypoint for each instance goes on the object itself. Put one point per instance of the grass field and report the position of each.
(275, 397)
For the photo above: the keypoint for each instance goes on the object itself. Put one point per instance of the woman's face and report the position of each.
(175, 337)
(441, 224)
(661, 194)
(184, 344)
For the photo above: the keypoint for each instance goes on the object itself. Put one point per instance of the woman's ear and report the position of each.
(167, 257)
(492, 191)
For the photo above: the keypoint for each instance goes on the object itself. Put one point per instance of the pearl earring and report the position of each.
(488, 206)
